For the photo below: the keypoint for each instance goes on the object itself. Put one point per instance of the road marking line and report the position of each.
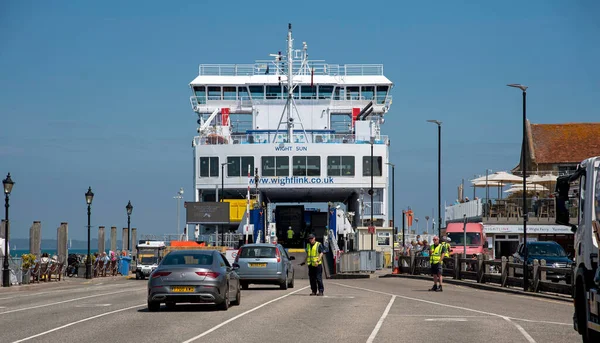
(380, 322)
(519, 327)
(446, 319)
(540, 321)
(92, 305)
(70, 300)
(241, 315)
(77, 322)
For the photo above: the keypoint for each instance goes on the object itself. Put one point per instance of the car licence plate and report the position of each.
(258, 265)
(182, 289)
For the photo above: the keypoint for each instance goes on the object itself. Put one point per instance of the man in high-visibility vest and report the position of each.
(290, 234)
(314, 259)
(436, 255)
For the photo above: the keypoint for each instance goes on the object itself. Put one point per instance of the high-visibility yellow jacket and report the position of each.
(312, 255)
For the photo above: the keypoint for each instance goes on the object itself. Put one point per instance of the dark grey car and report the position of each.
(263, 263)
(194, 276)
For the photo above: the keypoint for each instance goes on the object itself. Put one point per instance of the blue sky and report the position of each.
(96, 94)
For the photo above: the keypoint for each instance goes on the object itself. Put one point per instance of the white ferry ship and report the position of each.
(304, 129)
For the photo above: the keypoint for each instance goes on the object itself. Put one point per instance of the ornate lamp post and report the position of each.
(129, 209)
(89, 196)
(8, 185)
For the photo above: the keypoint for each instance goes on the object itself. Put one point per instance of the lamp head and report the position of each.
(129, 208)
(8, 184)
(517, 85)
(89, 196)
(439, 123)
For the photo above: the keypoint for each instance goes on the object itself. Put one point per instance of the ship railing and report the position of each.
(336, 101)
(281, 137)
(270, 67)
(377, 208)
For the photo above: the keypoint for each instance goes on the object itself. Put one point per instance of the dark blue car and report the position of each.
(550, 251)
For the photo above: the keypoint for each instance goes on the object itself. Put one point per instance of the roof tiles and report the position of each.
(565, 143)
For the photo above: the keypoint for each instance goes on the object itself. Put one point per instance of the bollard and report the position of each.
(456, 266)
(503, 271)
(536, 270)
(543, 271)
(480, 269)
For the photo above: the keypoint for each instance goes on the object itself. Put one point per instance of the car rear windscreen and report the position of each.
(258, 252)
(188, 259)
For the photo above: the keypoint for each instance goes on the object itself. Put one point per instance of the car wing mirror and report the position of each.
(235, 266)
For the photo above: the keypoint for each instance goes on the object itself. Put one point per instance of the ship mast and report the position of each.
(290, 124)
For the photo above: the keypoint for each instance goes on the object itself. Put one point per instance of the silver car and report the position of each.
(264, 264)
(194, 276)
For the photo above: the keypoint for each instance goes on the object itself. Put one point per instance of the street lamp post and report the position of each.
(89, 196)
(439, 124)
(179, 196)
(524, 169)
(129, 209)
(8, 185)
(394, 233)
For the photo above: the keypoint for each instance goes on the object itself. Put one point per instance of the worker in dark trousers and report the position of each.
(314, 258)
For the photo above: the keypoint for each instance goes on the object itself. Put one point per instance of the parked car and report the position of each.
(550, 251)
(194, 276)
(263, 263)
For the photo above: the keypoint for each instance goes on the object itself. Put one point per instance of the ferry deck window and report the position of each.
(200, 92)
(367, 165)
(214, 93)
(238, 165)
(308, 92)
(352, 93)
(340, 165)
(275, 166)
(229, 93)
(325, 92)
(243, 93)
(274, 92)
(306, 166)
(368, 92)
(257, 92)
(209, 166)
(381, 94)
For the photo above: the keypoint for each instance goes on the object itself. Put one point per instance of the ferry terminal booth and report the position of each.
(504, 239)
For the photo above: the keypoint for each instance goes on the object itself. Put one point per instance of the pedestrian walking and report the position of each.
(436, 254)
(314, 259)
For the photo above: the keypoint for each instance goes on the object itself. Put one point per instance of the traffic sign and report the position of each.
(371, 229)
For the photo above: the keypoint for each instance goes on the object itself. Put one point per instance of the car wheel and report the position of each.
(244, 285)
(224, 306)
(284, 284)
(137, 275)
(291, 284)
(238, 298)
(153, 306)
(171, 305)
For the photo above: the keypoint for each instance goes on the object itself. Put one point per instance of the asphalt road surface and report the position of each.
(361, 310)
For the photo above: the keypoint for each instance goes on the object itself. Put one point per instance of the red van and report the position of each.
(476, 240)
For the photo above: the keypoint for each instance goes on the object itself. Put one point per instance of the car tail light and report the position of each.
(212, 275)
(159, 274)
(278, 255)
(237, 257)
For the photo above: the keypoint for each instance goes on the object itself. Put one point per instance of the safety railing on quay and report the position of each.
(504, 273)
(362, 261)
